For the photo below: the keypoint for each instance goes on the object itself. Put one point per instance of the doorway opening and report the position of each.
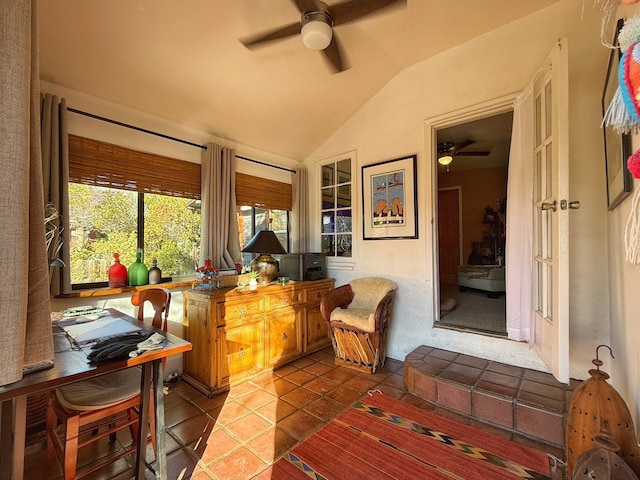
(471, 183)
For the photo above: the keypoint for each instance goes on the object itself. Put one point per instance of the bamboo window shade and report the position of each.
(263, 193)
(93, 162)
(101, 164)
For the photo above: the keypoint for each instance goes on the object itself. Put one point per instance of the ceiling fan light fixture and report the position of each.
(316, 30)
(445, 159)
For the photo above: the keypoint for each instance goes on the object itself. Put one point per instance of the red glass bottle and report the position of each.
(117, 273)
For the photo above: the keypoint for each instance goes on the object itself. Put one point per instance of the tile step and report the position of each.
(522, 401)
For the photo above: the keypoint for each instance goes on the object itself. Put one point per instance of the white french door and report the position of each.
(550, 329)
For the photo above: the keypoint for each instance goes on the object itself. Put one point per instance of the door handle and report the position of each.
(550, 206)
(575, 205)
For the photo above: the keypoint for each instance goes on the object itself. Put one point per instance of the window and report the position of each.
(251, 220)
(124, 201)
(336, 192)
(262, 204)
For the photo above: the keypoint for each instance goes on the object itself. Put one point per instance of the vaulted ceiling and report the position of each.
(182, 60)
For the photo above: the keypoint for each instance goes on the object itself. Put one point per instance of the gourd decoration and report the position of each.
(117, 273)
(594, 405)
(138, 272)
(155, 274)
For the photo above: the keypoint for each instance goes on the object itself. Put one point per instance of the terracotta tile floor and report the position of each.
(238, 434)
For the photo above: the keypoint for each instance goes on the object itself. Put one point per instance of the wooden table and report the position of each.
(71, 365)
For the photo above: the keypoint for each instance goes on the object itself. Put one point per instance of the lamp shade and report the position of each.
(445, 160)
(265, 241)
(316, 32)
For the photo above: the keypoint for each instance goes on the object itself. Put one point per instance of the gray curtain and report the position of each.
(26, 311)
(55, 171)
(219, 239)
(300, 214)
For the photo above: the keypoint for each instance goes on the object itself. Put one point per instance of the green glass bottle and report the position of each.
(138, 272)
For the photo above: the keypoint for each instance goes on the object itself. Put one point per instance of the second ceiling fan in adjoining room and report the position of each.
(316, 23)
(447, 151)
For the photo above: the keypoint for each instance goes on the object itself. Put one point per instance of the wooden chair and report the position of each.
(83, 408)
(358, 315)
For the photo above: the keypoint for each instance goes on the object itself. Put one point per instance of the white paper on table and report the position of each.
(104, 327)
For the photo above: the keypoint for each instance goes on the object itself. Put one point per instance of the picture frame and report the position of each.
(389, 199)
(617, 147)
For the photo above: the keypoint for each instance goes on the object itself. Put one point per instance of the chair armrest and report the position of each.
(338, 297)
(383, 311)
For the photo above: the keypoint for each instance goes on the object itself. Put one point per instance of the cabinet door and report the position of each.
(199, 363)
(284, 334)
(316, 333)
(240, 351)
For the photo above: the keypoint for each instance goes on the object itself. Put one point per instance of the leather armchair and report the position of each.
(358, 316)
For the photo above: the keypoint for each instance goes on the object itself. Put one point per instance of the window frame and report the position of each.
(333, 261)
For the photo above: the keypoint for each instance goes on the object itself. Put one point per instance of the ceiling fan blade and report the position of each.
(305, 5)
(459, 146)
(333, 53)
(351, 10)
(271, 35)
(472, 154)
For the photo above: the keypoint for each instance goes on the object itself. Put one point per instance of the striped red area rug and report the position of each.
(379, 437)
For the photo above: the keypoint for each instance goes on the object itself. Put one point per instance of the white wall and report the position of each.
(392, 124)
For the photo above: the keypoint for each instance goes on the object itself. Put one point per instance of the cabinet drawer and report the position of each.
(239, 311)
(282, 299)
(314, 295)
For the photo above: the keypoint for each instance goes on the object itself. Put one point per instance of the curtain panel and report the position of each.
(219, 241)
(26, 311)
(518, 250)
(55, 173)
(300, 211)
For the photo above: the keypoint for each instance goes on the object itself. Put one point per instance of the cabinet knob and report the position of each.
(243, 311)
(285, 336)
(242, 353)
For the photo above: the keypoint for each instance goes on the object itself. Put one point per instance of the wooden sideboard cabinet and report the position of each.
(238, 333)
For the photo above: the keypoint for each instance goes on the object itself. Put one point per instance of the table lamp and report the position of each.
(265, 243)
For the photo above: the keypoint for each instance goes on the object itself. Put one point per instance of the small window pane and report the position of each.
(344, 246)
(343, 221)
(539, 281)
(102, 221)
(328, 222)
(171, 234)
(549, 234)
(549, 171)
(344, 171)
(548, 110)
(328, 245)
(538, 167)
(328, 175)
(344, 196)
(538, 121)
(328, 198)
(549, 306)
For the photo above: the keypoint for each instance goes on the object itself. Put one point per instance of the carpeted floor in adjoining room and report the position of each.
(474, 310)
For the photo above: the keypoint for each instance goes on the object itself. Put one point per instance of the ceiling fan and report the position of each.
(316, 23)
(448, 150)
